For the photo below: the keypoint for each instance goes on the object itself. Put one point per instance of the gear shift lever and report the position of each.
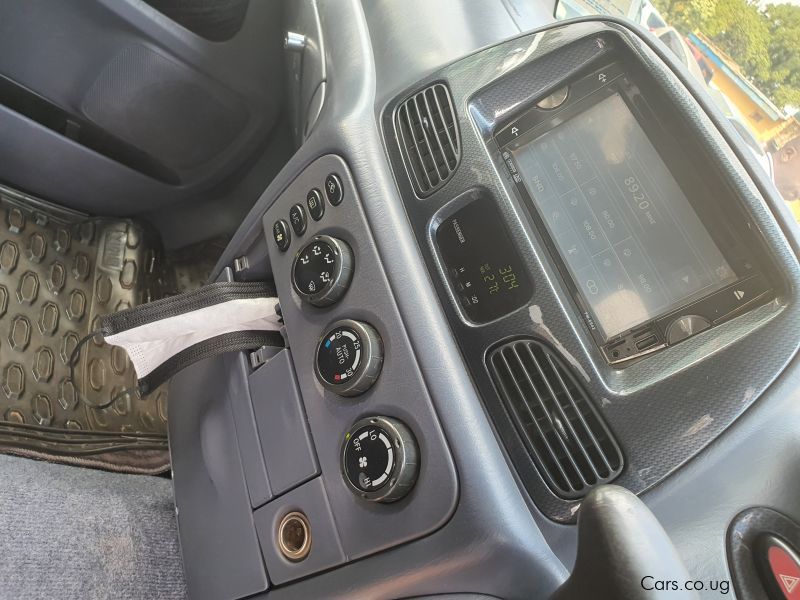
(622, 552)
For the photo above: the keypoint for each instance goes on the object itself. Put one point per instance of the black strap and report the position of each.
(208, 295)
(228, 342)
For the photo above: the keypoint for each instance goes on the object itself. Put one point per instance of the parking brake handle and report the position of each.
(622, 552)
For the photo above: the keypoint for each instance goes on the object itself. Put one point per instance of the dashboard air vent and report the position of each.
(428, 135)
(563, 433)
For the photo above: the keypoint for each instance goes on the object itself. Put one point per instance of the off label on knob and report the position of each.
(380, 459)
(372, 460)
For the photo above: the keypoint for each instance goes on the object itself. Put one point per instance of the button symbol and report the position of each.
(789, 582)
(515, 131)
(362, 463)
(739, 294)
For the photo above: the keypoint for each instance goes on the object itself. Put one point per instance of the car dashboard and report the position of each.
(515, 260)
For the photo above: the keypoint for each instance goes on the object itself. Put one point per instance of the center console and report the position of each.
(504, 281)
(596, 253)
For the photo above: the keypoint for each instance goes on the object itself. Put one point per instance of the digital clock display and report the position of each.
(485, 269)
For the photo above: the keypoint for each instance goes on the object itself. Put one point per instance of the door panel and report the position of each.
(175, 111)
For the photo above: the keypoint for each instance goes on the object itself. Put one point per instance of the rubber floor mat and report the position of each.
(59, 272)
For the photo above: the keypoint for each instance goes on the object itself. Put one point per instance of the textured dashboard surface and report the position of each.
(666, 408)
(398, 392)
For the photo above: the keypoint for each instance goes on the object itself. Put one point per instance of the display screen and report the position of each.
(485, 268)
(624, 228)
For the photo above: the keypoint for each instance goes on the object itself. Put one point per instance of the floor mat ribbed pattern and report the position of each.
(59, 272)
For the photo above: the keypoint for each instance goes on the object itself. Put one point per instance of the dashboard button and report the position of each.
(555, 99)
(333, 189)
(349, 358)
(297, 217)
(380, 459)
(686, 326)
(316, 204)
(322, 270)
(783, 566)
(280, 232)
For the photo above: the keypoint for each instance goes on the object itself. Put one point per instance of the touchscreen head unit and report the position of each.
(627, 233)
(625, 223)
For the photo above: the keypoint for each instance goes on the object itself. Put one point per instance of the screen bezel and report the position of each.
(729, 228)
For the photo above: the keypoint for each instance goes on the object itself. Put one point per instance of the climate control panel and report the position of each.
(380, 459)
(371, 420)
(322, 270)
(349, 357)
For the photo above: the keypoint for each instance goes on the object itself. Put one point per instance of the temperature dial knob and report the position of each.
(380, 459)
(349, 357)
(322, 270)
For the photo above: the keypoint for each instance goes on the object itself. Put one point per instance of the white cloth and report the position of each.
(150, 345)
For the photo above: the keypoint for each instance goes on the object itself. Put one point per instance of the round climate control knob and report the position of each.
(322, 270)
(380, 459)
(349, 357)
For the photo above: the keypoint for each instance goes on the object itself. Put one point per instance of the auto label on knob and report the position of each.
(322, 270)
(349, 357)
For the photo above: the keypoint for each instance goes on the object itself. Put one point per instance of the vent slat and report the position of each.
(565, 436)
(534, 420)
(428, 137)
(430, 164)
(555, 433)
(443, 169)
(453, 138)
(406, 128)
(567, 422)
(582, 420)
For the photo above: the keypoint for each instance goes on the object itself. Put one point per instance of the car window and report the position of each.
(746, 53)
(655, 22)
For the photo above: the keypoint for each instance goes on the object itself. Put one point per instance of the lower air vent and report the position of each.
(429, 139)
(566, 438)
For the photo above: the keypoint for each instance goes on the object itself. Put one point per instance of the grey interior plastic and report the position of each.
(496, 542)
(283, 431)
(620, 542)
(326, 547)
(141, 78)
(221, 555)
(308, 85)
(247, 434)
(650, 406)
(399, 391)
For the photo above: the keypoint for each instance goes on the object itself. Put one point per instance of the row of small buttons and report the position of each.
(315, 203)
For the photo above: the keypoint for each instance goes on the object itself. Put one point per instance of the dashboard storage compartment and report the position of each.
(281, 421)
(215, 520)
